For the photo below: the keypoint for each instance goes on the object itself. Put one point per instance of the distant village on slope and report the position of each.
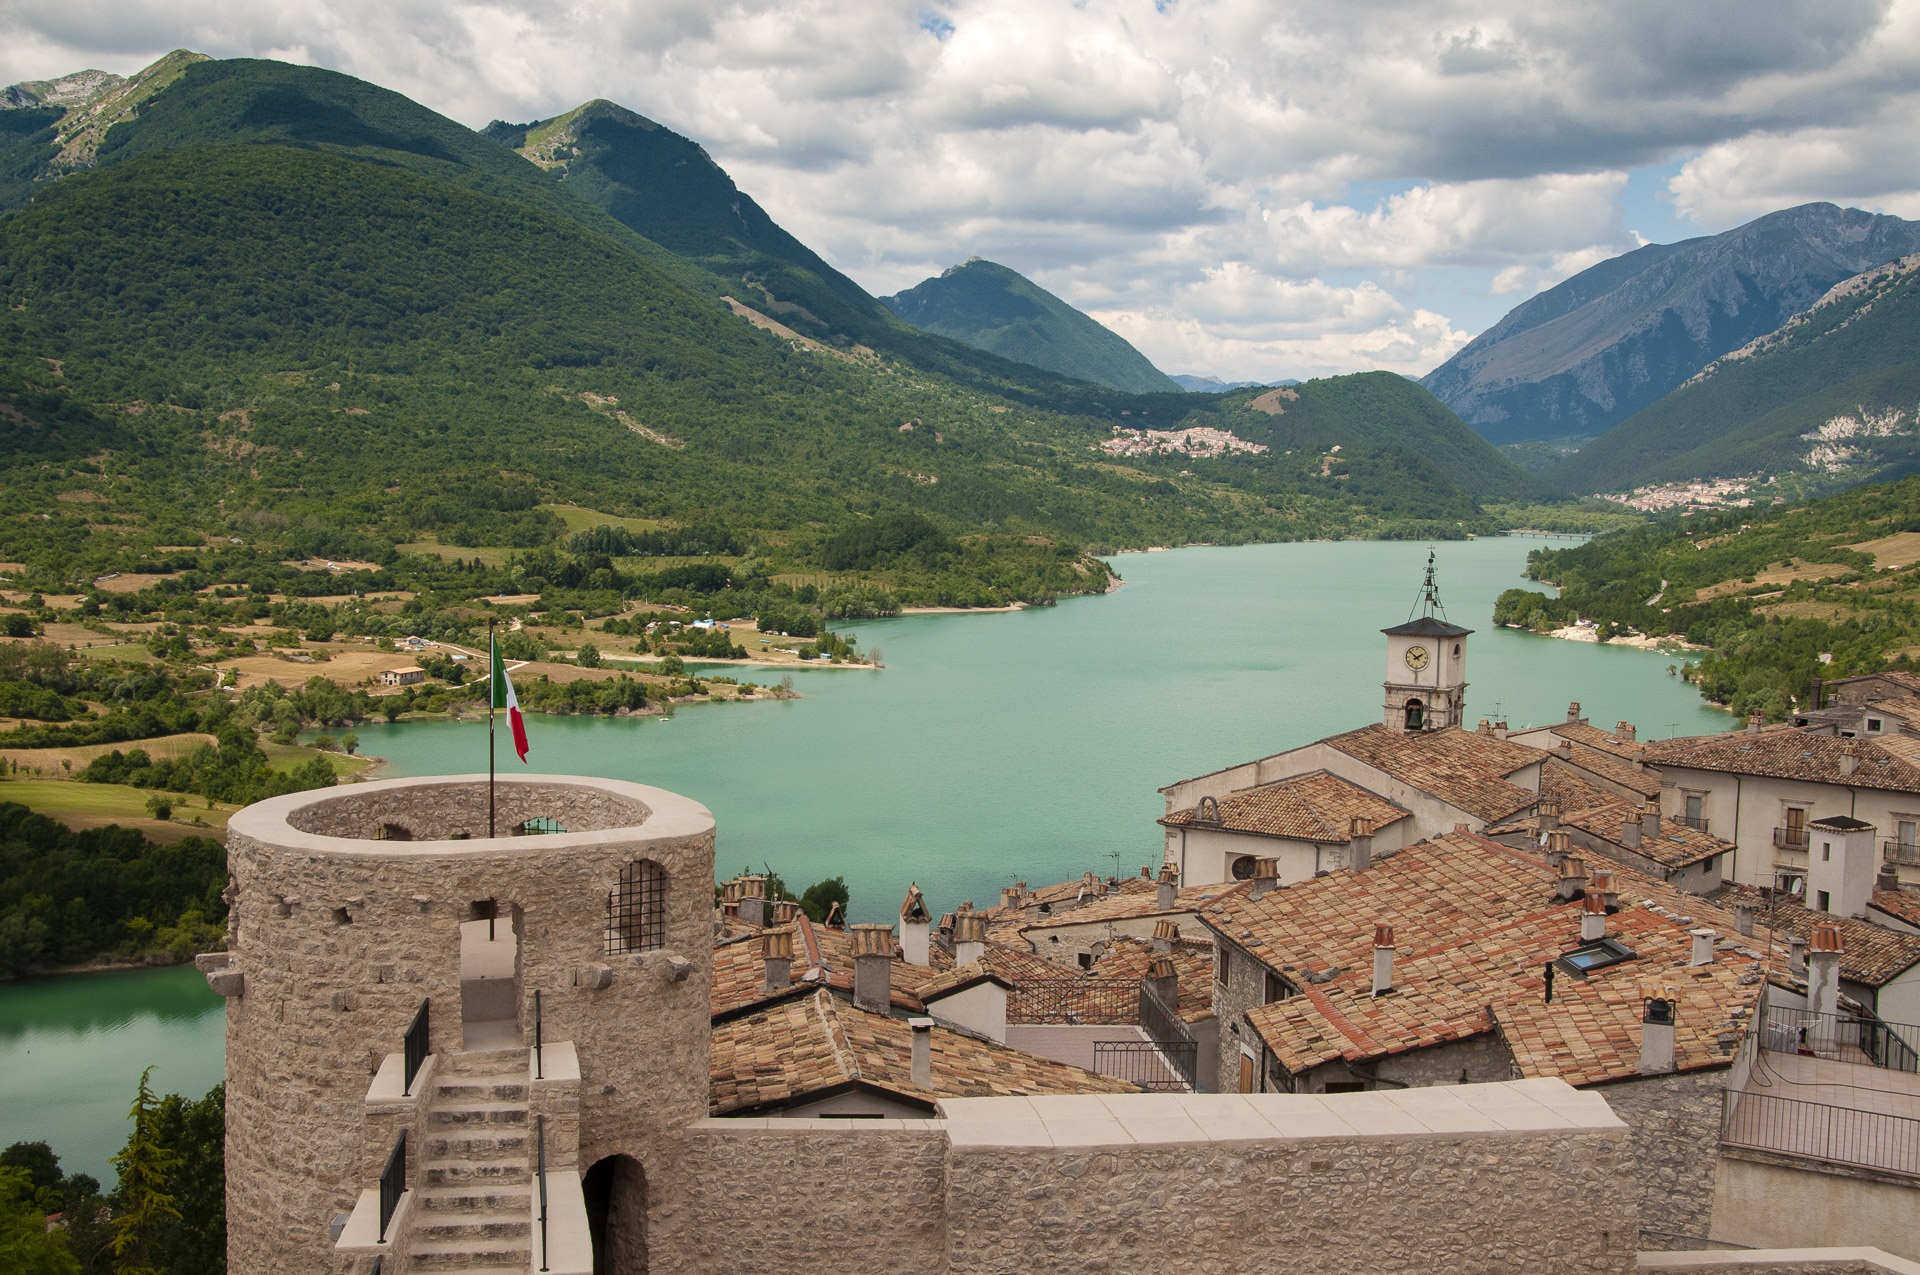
(1412, 995)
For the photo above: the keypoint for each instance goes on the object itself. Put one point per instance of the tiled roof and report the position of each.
(1869, 954)
(956, 978)
(1064, 896)
(1192, 962)
(822, 957)
(1593, 737)
(1677, 846)
(1573, 790)
(1796, 754)
(801, 1049)
(1905, 707)
(1462, 768)
(1133, 904)
(1614, 769)
(1902, 903)
(1313, 807)
(1475, 923)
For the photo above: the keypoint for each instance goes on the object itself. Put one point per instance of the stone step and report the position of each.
(469, 1255)
(485, 1062)
(459, 1113)
(481, 1089)
(488, 1197)
(480, 1142)
(477, 1174)
(484, 1229)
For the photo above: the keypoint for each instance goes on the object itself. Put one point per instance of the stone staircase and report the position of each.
(475, 1171)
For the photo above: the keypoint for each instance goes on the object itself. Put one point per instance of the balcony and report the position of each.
(1698, 824)
(1790, 839)
(1903, 852)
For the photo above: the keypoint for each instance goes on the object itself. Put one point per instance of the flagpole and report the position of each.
(493, 697)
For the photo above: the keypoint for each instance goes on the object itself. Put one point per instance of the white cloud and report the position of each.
(1155, 162)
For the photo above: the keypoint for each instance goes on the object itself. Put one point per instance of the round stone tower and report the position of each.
(353, 908)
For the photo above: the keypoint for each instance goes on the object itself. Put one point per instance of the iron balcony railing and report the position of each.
(1898, 851)
(1790, 838)
(1095, 1001)
(1847, 1037)
(1817, 1131)
(1149, 1064)
(1697, 823)
(393, 1183)
(415, 1047)
(1163, 1025)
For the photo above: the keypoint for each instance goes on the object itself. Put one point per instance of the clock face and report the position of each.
(1416, 657)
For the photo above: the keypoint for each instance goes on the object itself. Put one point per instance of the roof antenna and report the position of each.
(1428, 603)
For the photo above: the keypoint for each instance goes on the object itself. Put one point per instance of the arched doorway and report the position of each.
(616, 1196)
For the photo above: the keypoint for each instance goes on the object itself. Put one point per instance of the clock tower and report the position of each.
(1426, 666)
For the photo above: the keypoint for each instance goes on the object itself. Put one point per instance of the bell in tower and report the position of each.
(1426, 682)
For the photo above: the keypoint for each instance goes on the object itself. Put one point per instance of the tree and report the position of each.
(588, 656)
(820, 897)
(349, 742)
(144, 1201)
(27, 1247)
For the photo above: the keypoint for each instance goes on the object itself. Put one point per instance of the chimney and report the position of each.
(1573, 876)
(1009, 896)
(1168, 887)
(1702, 953)
(1266, 877)
(1484, 728)
(1359, 844)
(753, 900)
(776, 946)
(916, 928)
(1639, 756)
(1656, 1031)
(784, 911)
(1565, 752)
(1889, 878)
(1382, 959)
(1559, 846)
(1625, 731)
(730, 909)
(1849, 760)
(1650, 821)
(1573, 711)
(1823, 971)
(1743, 919)
(1163, 982)
(1797, 955)
(1549, 814)
(1593, 917)
(969, 938)
(1165, 935)
(872, 966)
(1754, 722)
(922, 1051)
(1630, 833)
(1602, 884)
(730, 892)
(1500, 729)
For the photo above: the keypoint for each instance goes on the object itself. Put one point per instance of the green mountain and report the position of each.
(1593, 350)
(1829, 398)
(279, 305)
(993, 308)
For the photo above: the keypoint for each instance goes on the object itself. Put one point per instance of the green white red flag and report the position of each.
(503, 697)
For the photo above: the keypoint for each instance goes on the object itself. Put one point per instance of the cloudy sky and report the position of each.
(1249, 188)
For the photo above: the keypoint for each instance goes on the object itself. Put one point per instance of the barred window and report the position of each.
(544, 825)
(637, 909)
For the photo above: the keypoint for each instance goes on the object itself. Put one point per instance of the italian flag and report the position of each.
(503, 697)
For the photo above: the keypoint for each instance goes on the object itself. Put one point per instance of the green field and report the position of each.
(285, 757)
(93, 805)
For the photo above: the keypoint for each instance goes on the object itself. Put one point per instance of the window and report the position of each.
(1596, 955)
(542, 826)
(1906, 830)
(1277, 989)
(1826, 852)
(1416, 714)
(1823, 901)
(1222, 967)
(1086, 960)
(1344, 1086)
(1695, 805)
(1707, 865)
(637, 909)
(1873, 724)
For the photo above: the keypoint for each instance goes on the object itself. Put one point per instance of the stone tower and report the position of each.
(361, 912)
(1426, 684)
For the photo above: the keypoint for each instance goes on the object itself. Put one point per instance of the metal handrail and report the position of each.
(393, 1183)
(415, 1047)
(1790, 1029)
(1697, 824)
(1898, 851)
(538, 1074)
(1790, 838)
(540, 1126)
(1163, 1025)
(1820, 1131)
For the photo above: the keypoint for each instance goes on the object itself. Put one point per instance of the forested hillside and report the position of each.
(1768, 593)
(1832, 397)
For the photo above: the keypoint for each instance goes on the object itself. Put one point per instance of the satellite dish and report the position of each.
(1798, 888)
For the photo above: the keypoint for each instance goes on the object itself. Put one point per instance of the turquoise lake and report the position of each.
(991, 747)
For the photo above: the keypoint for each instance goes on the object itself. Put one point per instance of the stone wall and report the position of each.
(1779, 1261)
(1246, 988)
(337, 941)
(1676, 1143)
(1765, 1201)
(1476, 1060)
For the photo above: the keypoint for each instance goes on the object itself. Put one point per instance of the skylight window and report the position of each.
(1597, 955)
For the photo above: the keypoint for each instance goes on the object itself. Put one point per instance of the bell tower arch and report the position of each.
(1426, 686)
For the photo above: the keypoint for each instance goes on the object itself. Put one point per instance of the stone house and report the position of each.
(407, 676)
(1879, 963)
(1636, 836)
(1461, 960)
(1308, 823)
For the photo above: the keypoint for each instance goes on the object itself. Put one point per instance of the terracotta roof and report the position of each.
(1580, 733)
(1127, 958)
(1566, 785)
(1892, 764)
(1475, 923)
(1902, 903)
(1312, 807)
(1133, 904)
(1614, 769)
(809, 1048)
(1462, 768)
(822, 957)
(1896, 676)
(1677, 846)
(958, 977)
(1869, 954)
